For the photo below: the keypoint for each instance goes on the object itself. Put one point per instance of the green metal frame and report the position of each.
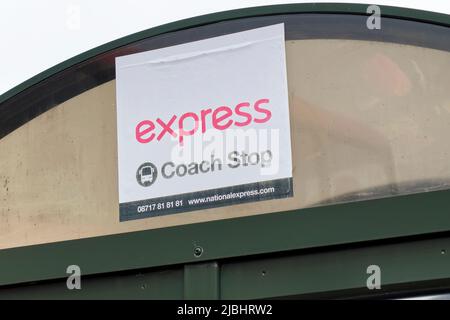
(407, 268)
(358, 222)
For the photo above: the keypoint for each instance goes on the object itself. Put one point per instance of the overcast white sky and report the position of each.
(35, 35)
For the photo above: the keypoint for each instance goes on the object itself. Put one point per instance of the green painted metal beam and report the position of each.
(406, 267)
(343, 272)
(201, 281)
(146, 284)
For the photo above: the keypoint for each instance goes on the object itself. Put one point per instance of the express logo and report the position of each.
(146, 174)
(221, 118)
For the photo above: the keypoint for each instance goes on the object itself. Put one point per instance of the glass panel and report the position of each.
(371, 119)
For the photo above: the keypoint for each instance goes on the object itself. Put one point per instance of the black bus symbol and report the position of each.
(146, 174)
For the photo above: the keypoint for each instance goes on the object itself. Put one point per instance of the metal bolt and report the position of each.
(198, 251)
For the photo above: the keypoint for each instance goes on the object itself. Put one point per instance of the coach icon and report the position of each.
(146, 174)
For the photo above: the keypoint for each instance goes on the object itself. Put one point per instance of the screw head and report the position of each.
(198, 251)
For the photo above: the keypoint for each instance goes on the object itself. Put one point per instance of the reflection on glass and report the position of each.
(370, 119)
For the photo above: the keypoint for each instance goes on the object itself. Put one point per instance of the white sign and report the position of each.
(204, 124)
